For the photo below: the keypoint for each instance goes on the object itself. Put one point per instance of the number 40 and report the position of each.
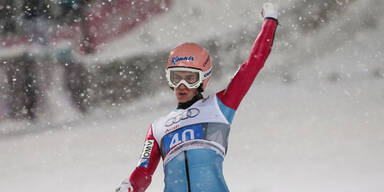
(176, 138)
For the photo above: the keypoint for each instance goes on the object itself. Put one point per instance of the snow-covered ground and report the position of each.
(302, 137)
(323, 130)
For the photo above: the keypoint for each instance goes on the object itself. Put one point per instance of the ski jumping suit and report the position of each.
(193, 142)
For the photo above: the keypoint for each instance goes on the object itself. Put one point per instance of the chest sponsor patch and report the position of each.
(181, 135)
(190, 113)
(146, 154)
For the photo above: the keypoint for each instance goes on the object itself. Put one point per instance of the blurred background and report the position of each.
(81, 81)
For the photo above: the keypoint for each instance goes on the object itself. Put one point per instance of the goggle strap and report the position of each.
(207, 73)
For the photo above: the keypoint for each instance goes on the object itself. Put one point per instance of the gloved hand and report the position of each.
(125, 186)
(269, 10)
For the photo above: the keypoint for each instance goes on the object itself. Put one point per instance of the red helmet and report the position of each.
(191, 55)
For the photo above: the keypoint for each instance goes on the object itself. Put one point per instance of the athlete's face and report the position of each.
(184, 94)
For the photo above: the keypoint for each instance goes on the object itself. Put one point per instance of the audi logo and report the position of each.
(190, 113)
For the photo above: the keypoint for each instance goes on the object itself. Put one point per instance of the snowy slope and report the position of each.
(284, 138)
(321, 131)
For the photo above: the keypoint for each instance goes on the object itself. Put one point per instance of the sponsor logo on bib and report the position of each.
(190, 113)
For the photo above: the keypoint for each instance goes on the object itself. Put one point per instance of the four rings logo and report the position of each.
(190, 113)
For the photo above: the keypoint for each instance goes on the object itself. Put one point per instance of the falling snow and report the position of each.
(81, 81)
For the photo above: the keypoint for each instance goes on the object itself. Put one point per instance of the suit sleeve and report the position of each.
(141, 177)
(243, 79)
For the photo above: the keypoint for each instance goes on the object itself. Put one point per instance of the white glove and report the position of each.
(125, 186)
(269, 10)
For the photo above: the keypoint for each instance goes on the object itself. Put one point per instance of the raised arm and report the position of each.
(243, 79)
(141, 177)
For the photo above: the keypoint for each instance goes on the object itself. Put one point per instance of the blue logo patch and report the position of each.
(186, 58)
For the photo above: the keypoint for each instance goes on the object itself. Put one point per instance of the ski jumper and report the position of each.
(193, 142)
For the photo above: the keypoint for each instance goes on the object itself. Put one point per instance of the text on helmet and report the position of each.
(186, 58)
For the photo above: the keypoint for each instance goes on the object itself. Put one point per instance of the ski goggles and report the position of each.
(190, 77)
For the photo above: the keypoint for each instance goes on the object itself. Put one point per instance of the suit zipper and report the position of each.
(187, 171)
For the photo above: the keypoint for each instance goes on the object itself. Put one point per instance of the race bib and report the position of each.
(181, 135)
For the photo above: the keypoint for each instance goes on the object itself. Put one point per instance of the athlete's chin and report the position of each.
(183, 98)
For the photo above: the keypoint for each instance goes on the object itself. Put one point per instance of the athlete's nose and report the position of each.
(182, 86)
